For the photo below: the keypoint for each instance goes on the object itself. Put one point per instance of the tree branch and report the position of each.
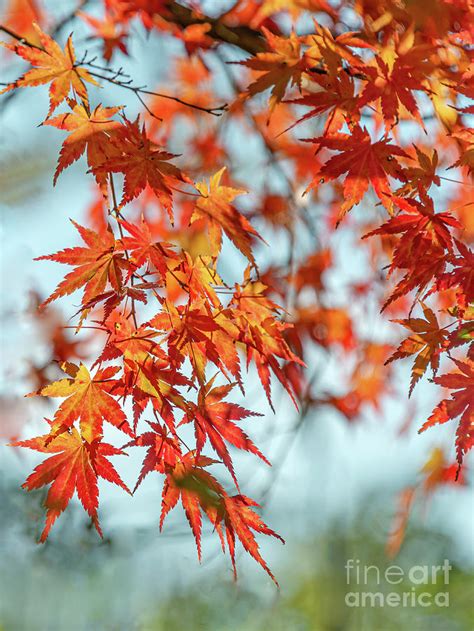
(245, 38)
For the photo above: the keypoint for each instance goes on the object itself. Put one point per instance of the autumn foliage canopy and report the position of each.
(361, 111)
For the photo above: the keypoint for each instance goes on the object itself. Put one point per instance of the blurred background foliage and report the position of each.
(105, 585)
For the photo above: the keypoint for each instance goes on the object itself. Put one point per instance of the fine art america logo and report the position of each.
(373, 585)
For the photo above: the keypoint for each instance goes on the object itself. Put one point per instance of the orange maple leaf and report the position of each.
(199, 276)
(189, 330)
(90, 131)
(263, 334)
(88, 400)
(281, 66)
(163, 452)
(436, 472)
(108, 30)
(144, 248)
(215, 205)
(426, 342)
(21, 15)
(96, 264)
(52, 65)
(200, 491)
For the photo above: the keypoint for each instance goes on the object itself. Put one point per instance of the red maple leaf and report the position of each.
(422, 249)
(213, 418)
(163, 451)
(394, 82)
(236, 515)
(143, 162)
(197, 489)
(144, 248)
(460, 404)
(364, 162)
(334, 98)
(109, 30)
(76, 466)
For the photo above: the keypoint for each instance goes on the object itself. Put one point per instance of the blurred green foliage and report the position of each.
(313, 594)
(76, 582)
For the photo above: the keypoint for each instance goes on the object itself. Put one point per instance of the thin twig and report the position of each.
(137, 90)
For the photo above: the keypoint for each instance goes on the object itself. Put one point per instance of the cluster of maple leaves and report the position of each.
(401, 64)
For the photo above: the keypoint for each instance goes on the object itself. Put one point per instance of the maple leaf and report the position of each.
(133, 343)
(392, 78)
(163, 451)
(90, 132)
(460, 404)
(213, 419)
(199, 276)
(52, 65)
(427, 341)
(107, 30)
(113, 298)
(367, 385)
(21, 15)
(189, 330)
(331, 52)
(464, 331)
(144, 248)
(88, 400)
(397, 533)
(152, 381)
(326, 326)
(197, 489)
(438, 471)
(263, 334)
(335, 97)
(200, 491)
(460, 277)
(465, 137)
(363, 161)
(142, 162)
(147, 10)
(225, 339)
(195, 37)
(95, 265)
(237, 516)
(309, 273)
(76, 466)
(215, 205)
(422, 176)
(426, 237)
(281, 66)
(147, 371)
